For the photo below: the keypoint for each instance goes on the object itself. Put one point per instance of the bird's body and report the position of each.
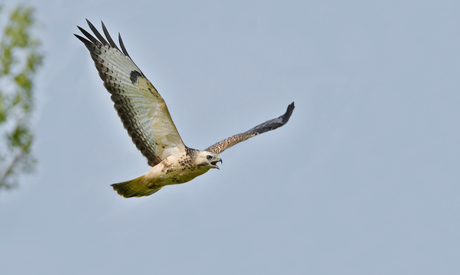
(174, 169)
(146, 118)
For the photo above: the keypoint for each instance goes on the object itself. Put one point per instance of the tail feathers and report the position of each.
(135, 188)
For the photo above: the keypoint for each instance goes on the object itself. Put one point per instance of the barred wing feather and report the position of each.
(139, 105)
(269, 125)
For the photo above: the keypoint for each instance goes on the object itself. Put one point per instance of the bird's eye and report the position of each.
(209, 157)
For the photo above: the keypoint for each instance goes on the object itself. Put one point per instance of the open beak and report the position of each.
(216, 161)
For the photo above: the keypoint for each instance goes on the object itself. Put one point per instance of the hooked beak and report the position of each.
(218, 159)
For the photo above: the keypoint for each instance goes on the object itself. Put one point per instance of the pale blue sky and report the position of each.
(363, 179)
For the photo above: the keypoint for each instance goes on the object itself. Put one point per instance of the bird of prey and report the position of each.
(146, 118)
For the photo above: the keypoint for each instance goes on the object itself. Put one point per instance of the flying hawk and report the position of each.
(146, 118)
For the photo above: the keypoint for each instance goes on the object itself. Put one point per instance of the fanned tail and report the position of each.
(135, 188)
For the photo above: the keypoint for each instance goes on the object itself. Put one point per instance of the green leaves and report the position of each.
(20, 57)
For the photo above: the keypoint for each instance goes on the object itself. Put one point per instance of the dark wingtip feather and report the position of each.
(84, 40)
(97, 33)
(287, 115)
(89, 36)
(107, 34)
(122, 46)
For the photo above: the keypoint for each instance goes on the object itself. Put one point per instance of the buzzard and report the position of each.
(146, 118)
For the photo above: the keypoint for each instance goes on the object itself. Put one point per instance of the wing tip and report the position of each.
(287, 115)
(122, 45)
(99, 39)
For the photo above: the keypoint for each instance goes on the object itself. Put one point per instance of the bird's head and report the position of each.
(208, 159)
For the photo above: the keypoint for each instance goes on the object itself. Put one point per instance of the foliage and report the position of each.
(20, 57)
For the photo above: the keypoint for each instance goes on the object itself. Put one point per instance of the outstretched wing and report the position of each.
(139, 105)
(269, 125)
